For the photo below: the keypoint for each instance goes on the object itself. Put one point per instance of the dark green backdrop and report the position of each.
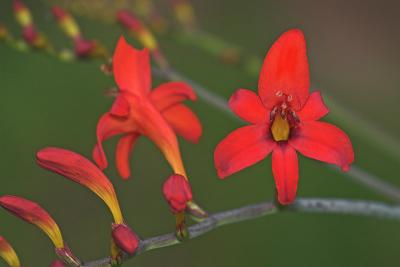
(354, 56)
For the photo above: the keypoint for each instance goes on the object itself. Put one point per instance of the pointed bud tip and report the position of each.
(177, 192)
(125, 238)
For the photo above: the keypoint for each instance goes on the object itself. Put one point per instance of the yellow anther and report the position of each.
(280, 128)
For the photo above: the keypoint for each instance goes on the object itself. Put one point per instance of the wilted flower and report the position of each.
(284, 119)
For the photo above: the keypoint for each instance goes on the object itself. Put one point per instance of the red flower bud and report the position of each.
(57, 263)
(177, 192)
(59, 13)
(125, 238)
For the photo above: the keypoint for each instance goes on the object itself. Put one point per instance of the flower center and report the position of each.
(280, 128)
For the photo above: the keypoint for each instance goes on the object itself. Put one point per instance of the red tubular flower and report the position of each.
(284, 119)
(138, 110)
(82, 171)
(8, 253)
(31, 212)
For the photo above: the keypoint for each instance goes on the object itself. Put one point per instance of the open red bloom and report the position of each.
(177, 192)
(138, 110)
(284, 119)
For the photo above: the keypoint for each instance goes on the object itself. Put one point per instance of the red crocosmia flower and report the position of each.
(8, 253)
(31, 212)
(138, 110)
(177, 192)
(284, 119)
(82, 171)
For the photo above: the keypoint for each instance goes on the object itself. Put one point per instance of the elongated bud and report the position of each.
(125, 239)
(66, 22)
(8, 253)
(136, 27)
(82, 171)
(31, 212)
(22, 14)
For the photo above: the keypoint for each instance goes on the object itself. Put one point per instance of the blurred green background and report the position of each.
(354, 57)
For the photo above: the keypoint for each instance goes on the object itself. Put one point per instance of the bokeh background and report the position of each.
(354, 57)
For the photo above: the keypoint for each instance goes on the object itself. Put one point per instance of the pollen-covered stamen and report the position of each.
(283, 118)
(280, 128)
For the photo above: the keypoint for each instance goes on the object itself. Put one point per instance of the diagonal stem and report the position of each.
(302, 205)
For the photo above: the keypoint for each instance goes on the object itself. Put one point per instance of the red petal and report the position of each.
(120, 107)
(248, 106)
(171, 93)
(107, 127)
(314, 108)
(132, 68)
(285, 70)
(325, 142)
(123, 152)
(285, 168)
(242, 148)
(184, 122)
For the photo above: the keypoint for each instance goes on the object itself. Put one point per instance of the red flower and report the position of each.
(137, 110)
(177, 192)
(283, 119)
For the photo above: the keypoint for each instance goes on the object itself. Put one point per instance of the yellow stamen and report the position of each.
(280, 128)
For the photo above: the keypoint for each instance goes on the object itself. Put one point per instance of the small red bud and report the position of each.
(177, 192)
(57, 263)
(125, 238)
(59, 13)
